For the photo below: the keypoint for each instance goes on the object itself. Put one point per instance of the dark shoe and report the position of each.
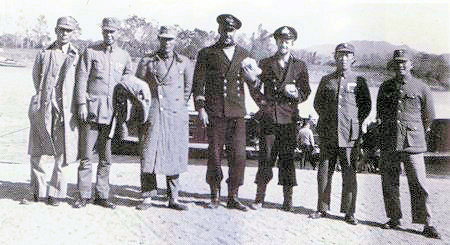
(52, 201)
(431, 232)
(81, 203)
(177, 206)
(35, 197)
(391, 224)
(144, 205)
(350, 219)
(104, 203)
(233, 203)
(287, 206)
(318, 214)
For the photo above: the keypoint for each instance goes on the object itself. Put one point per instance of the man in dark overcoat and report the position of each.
(219, 98)
(343, 102)
(285, 84)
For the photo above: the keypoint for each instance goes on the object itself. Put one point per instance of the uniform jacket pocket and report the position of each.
(415, 134)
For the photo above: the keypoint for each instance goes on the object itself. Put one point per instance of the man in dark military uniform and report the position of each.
(343, 102)
(405, 112)
(218, 89)
(286, 84)
(100, 69)
(165, 138)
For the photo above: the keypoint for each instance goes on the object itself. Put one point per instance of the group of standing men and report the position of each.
(76, 92)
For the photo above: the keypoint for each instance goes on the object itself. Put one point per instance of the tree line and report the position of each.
(139, 36)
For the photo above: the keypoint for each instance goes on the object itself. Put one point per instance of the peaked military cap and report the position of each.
(285, 32)
(66, 22)
(228, 21)
(399, 56)
(167, 32)
(111, 24)
(345, 47)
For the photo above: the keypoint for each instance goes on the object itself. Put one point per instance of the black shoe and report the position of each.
(104, 203)
(350, 219)
(81, 203)
(318, 214)
(177, 206)
(287, 206)
(233, 203)
(391, 224)
(52, 201)
(431, 232)
(35, 198)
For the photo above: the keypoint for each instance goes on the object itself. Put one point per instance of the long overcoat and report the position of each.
(52, 68)
(165, 138)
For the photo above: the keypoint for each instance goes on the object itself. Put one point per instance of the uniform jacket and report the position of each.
(406, 111)
(281, 109)
(54, 79)
(166, 143)
(218, 83)
(98, 72)
(342, 105)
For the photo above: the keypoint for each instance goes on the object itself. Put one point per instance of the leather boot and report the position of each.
(287, 203)
(233, 202)
(215, 196)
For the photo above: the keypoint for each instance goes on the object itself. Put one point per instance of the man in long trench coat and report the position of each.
(164, 140)
(54, 130)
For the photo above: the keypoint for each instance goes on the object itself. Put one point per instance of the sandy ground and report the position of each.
(38, 223)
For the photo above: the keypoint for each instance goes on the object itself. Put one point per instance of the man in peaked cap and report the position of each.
(100, 69)
(219, 98)
(405, 112)
(343, 102)
(286, 84)
(165, 138)
(53, 129)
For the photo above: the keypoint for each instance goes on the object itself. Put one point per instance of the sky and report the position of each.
(423, 25)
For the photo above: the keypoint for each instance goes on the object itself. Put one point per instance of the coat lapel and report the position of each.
(236, 60)
(276, 68)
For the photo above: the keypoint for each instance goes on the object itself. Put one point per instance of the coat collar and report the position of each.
(71, 49)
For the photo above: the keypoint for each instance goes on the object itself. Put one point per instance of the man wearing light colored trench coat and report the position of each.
(164, 140)
(54, 129)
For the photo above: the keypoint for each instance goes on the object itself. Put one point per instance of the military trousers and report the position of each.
(277, 142)
(93, 134)
(414, 166)
(328, 158)
(58, 185)
(149, 185)
(229, 132)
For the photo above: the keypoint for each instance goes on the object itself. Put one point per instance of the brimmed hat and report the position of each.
(167, 32)
(66, 22)
(228, 21)
(111, 24)
(345, 47)
(285, 32)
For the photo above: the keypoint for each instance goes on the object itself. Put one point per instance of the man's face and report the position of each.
(227, 35)
(63, 35)
(167, 44)
(109, 36)
(284, 45)
(344, 60)
(402, 68)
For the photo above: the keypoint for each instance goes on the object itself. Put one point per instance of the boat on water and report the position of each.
(10, 63)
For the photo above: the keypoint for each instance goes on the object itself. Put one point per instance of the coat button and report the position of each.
(225, 95)
(161, 109)
(399, 101)
(224, 87)
(160, 96)
(398, 121)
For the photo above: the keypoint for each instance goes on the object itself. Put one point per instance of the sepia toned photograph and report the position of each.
(224, 122)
